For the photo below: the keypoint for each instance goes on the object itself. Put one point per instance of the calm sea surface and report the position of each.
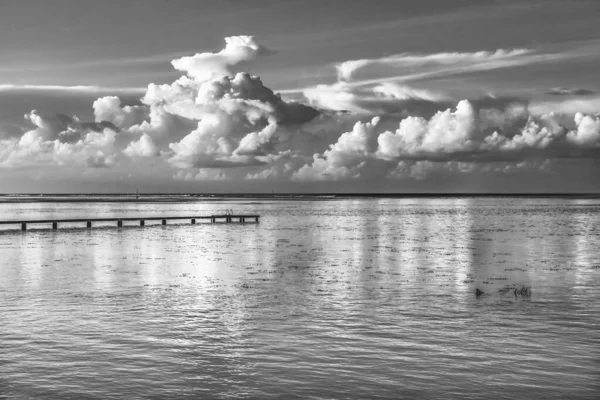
(324, 298)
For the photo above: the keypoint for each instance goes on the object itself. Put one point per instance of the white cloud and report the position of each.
(587, 132)
(421, 170)
(384, 98)
(571, 106)
(109, 109)
(45, 146)
(238, 120)
(444, 63)
(144, 147)
(446, 132)
(218, 124)
(202, 174)
(204, 66)
(462, 139)
(345, 158)
(268, 173)
(402, 92)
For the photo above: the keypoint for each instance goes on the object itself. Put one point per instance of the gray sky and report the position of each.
(392, 96)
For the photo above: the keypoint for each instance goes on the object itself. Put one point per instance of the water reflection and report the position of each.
(376, 293)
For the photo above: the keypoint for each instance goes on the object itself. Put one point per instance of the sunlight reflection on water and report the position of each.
(324, 298)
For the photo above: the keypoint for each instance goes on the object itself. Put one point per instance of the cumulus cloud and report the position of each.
(345, 158)
(446, 132)
(460, 139)
(202, 174)
(238, 120)
(210, 118)
(424, 169)
(144, 147)
(267, 173)
(109, 109)
(457, 134)
(61, 140)
(215, 123)
(587, 132)
(203, 66)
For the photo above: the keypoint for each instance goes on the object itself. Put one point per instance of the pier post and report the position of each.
(224, 218)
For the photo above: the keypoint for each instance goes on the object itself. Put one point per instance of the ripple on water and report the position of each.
(330, 298)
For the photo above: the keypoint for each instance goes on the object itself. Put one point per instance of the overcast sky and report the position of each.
(299, 96)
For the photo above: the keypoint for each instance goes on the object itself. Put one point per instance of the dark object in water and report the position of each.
(478, 292)
(516, 290)
(524, 291)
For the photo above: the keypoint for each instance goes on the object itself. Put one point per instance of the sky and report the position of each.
(299, 96)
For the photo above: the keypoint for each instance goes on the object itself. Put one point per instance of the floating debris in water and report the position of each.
(524, 291)
(516, 290)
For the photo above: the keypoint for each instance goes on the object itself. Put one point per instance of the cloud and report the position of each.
(562, 91)
(457, 134)
(109, 109)
(203, 66)
(386, 98)
(202, 174)
(218, 124)
(459, 139)
(73, 88)
(402, 92)
(422, 170)
(144, 147)
(422, 65)
(268, 173)
(61, 140)
(238, 120)
(211, 118)
(571, 106)
(446, 132)
(587, 132)
(345, 158)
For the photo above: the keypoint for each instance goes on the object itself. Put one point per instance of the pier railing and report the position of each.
(227, 218)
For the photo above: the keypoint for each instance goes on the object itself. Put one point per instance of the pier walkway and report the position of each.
(227, 218)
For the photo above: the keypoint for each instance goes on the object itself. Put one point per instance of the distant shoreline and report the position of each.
(193, 197)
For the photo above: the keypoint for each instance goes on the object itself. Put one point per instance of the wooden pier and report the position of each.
(227, 218)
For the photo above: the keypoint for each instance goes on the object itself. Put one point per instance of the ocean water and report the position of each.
(324, 298)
